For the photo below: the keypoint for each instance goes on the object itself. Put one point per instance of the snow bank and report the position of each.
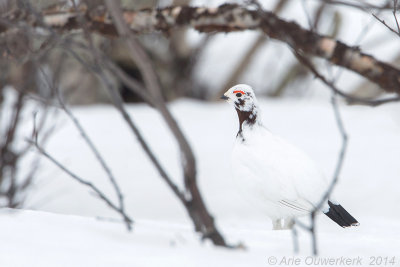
(163, 235)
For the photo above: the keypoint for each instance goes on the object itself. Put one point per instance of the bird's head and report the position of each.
(241, 96)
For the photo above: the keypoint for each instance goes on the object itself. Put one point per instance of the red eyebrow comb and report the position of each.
(238, 91)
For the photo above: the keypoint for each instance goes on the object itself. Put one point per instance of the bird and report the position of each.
(277, 177)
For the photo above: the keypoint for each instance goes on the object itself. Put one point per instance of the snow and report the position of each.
(58, 226)
(163, 235)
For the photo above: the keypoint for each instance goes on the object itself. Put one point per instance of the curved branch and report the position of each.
(349, 98)
(225, 18)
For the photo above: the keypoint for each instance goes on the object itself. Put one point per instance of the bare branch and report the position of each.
(9, 157)
(364, 6)
(332, 86)
(97, 191)
(133, 85)
(387, 26)
(226, 18)
(295, 239)
(119, 104)
(394, 15)
(247, 57)
(97, 154)
(193, 201)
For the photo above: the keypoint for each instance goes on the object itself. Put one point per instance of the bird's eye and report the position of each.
(238, 94)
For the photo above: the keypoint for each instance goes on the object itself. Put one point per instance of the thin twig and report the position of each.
(339, 123)
(313, 234)
(339, 165)
(34, 141)
(394, 15)
(307, 13)
(86, 138)
(295, 239)
(364, 6)
(349, 98)
(247, 57)
(9, 157)
(95, 151)
(132, 84)
(119, 104)
(387, 26)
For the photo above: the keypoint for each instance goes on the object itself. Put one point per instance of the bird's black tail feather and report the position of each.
(340, 216)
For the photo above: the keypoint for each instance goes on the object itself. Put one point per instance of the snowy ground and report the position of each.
(63, 231)
(163, 234)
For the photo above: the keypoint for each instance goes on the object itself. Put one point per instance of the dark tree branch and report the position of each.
(349, 98)
(226, 18)
(119, 104)
(132, 84)
(194, 203)
(9, 156)
(248, 56)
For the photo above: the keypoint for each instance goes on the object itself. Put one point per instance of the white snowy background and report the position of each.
(64, 225)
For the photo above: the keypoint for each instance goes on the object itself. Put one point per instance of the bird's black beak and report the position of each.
(224, 97)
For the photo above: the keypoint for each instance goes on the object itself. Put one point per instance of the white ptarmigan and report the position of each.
(276, 176)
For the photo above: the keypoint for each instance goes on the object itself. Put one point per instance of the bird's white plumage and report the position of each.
(269, 169)
(274, 175)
